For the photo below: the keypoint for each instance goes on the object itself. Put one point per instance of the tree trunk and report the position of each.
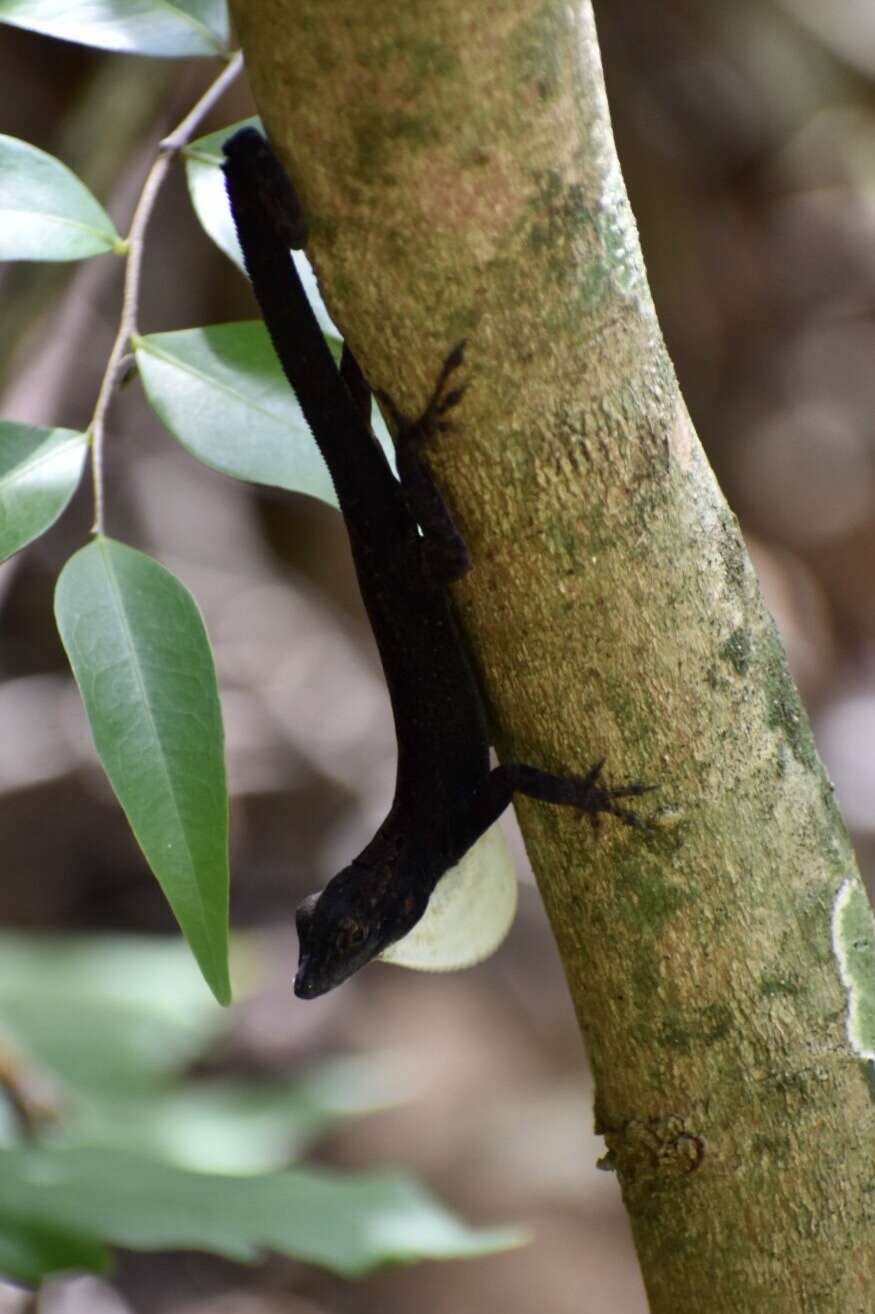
(457, 166)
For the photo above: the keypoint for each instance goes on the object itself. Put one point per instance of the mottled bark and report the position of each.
(457, 165)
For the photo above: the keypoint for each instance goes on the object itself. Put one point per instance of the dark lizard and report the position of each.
(406, 550)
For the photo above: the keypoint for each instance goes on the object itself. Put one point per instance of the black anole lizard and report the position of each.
(446, 794)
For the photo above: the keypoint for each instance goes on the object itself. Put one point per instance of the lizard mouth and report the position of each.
(306, 987)
(316, 976)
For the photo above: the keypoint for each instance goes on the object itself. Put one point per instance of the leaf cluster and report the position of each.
(134, 635)
(126, 1148)
(100, 1037)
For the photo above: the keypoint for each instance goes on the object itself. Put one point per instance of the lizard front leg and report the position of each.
(446, 552)
(584, 793)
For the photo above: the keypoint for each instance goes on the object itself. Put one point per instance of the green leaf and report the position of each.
(468, 915)
(39, 472)
(46, 213)
(144, 1157)
(143, 664)
(350, 1225)
(96, 1039)
(145, 27)
(206, 187)
(219, 1125)
(110, 1026)
(221, 392)
(147, 975)
(27, 1251)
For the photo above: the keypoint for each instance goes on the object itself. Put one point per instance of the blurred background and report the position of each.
(747, 138)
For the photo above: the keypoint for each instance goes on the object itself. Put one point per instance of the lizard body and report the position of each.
(406, 550)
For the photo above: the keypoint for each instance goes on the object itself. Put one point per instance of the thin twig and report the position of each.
(168, 150)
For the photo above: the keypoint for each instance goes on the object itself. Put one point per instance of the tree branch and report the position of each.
(460, 179)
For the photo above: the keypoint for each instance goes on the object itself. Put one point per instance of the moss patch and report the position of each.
(537, 48)
(644, 974)
(560, 210)
(784, 712)
(869, 1074)
(774, 986)
(377, 133)
(653, 900)
(733, 554)
(737, 649)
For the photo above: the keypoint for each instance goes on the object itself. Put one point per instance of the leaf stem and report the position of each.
(168, 149)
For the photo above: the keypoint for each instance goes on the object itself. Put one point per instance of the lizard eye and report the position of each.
(351, 935)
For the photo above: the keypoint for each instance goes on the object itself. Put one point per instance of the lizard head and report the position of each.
(347, 924)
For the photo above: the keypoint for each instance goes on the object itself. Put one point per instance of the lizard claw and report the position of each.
(594, 799)
(415, 432)
(450, 399)
(442, 401)
(452, 362)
